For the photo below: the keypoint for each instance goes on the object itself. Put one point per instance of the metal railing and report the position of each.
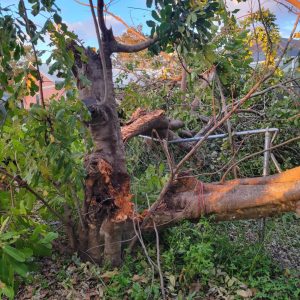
(218, 136)
(270, 135)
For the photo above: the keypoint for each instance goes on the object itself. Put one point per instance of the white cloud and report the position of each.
(252, 5)
(85, 29)
(285, 19)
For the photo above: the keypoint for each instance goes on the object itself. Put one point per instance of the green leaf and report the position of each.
(4, 224)
(8, 292)
(193, 17)
(20, 268)
(150, 23)
(149, 3)
(155, 15)
(57, 18)
(14, 253)
(60, 114)
(49, 237)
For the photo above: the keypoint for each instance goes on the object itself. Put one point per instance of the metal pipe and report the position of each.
(266, 169)
(266, 172)
(215, 136)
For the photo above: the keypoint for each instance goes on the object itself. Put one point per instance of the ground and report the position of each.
(242, 268)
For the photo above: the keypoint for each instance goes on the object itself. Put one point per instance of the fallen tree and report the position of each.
(107, 214)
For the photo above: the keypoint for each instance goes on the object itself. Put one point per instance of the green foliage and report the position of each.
(183, 25)
(35, 146)
(21, 239)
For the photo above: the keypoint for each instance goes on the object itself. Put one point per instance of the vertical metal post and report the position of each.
(266, 172)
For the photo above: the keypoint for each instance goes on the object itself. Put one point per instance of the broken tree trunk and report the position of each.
(107, 213)
(189, 199)
(107, 186)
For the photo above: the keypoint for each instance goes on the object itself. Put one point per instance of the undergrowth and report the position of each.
(206, 260)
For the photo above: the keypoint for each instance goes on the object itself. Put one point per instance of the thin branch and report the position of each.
(228, 123)
(164, 145)
(23, 184)
(236, 106)
(101, 50)
(273, 87)
(158, 262)
(103, 29)
(295, 3)
(289, 8)
(129, 28)
(100, 11)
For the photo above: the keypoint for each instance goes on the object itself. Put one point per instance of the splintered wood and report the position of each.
(141, 122)
(120, 193)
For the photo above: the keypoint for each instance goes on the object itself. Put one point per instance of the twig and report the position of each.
(164, 145)
(228, 123)
(151, 262)
(138, 34)
(100, 7)
(272, 87)
(158, 263)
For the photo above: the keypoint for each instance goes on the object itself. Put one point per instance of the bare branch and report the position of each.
(158, 262)
(100, 41)
(236, 106)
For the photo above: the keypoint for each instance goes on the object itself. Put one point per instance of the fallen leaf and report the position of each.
(244, 293)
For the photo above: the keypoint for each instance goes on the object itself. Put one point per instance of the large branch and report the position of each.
(119, 47)
(154, 125)
(190, 199)
(142, 122)
(295, 3)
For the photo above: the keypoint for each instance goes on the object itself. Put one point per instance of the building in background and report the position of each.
(49, 90)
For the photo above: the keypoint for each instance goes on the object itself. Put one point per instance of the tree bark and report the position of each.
(189, 199)
(107, 187)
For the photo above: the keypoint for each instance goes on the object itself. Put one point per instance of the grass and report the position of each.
(199, 261)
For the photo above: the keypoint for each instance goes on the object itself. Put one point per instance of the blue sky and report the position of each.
(78, 17)
(135, 12)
